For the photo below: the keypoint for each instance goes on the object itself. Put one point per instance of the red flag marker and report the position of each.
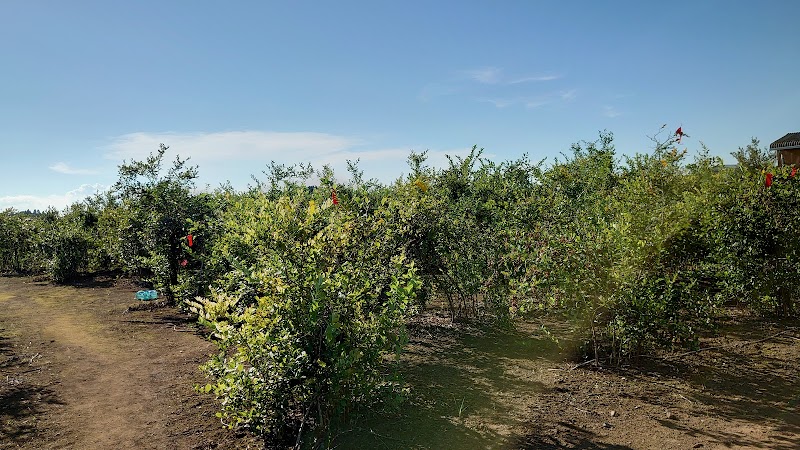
(190, 238)
(768, 180)
(679, 133)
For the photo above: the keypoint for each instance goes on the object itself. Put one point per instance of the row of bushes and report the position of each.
(61, 245)
(307, 289)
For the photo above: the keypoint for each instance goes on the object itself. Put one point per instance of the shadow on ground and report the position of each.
(571, 437)
(21, 401)
(94, 281)
(469, 389)
(745, 379)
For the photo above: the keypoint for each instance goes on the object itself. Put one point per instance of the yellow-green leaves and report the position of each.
(316, 298)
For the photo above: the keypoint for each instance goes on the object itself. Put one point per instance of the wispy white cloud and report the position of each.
(534, 79)
(533, 102)
(569, 95)
(502, 102)
(230, 153)
(486, 75)
(231, 145)
(494, 75)
(610, 111)
(237, 155)
(62, 167)
(58, 201)
(493, 79)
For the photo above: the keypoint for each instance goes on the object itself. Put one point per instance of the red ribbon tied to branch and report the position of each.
(333, 197)
(768, 180)
(190, 239)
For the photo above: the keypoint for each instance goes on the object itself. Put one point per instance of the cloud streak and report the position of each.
(534, 79)
(485, 75)
(494, 75)
(58, 201)
(534, 102)
(611, 112)
(234, 155)
(568, 95)
(62, 167)
(230, 145)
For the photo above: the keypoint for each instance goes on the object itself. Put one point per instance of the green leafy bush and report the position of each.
(18, 245)
(456, 224)
(156, 209)
(627, 251)
(315, 300)
(70, 249)
(758, 231)
(307, 298)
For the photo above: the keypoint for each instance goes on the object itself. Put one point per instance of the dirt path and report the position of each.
(79, 371)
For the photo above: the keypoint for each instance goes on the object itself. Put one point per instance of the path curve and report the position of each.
(81, 371)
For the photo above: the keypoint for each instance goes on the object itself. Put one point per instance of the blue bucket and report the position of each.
(147, 295)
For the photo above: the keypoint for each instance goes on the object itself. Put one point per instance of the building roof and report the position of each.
(790, 140)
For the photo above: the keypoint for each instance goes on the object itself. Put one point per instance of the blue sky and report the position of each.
(85, 84)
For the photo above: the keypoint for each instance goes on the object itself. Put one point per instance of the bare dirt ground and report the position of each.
(518, 390)
(743, 392)
(78, 369)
